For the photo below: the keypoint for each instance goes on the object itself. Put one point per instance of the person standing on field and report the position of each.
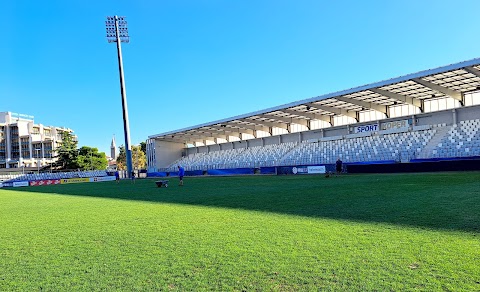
(181, 173)
(338, 166)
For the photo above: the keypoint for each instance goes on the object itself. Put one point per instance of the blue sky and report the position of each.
(191, 62)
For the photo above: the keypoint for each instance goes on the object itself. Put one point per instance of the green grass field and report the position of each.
(388, 232)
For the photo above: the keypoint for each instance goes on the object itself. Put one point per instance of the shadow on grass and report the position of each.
(446, 201)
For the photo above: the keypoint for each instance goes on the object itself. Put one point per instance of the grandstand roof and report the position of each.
(451, 81)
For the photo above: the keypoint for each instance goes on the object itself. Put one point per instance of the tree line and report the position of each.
(69, 156)
(139, 157)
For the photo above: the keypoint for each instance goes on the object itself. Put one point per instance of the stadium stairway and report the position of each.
(432, 144)
(288, 154)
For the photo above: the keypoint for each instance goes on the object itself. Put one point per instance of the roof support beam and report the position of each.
(212, 132)
(472, 70)
(229, 131)
(266, 123)
(201, 137)
(311, 116)
(244, 131)
(447, 91)
(251, 127)
(364, 104)
(403, 98)
(182, 140)
(222, 132)
(287, 120)
(196, 137)
(213, 136)
(337, 111)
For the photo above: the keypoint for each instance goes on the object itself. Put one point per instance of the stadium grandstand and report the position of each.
(14, 177)
(432, 115)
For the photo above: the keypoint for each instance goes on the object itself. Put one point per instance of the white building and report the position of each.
(26, 144)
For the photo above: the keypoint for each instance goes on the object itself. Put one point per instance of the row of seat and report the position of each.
(54, 175)
(256, 156)
(369, 148)
(460, 140)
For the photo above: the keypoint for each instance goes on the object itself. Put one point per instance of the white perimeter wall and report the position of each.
(167, 152)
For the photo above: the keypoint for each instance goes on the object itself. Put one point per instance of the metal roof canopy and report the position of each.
(451, 81)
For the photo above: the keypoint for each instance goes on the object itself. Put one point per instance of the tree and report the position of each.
(143, 147)
(70, 157)
(67, 152)
(90, 159)
(139, 160)
(121, 158)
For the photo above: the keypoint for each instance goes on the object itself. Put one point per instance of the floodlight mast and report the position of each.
(117, 31)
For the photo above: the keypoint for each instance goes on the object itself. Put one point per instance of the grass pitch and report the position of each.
(389, 232)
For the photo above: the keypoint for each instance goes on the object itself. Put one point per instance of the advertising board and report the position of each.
(316, 169)
(7, 184)
(313, 169)
(366, 128)
(394, 125)
(45, 182)
(20, 184)
(299, 170)
(102, 178)
(74, 180)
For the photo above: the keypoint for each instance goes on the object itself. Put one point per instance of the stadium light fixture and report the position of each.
(117, 32)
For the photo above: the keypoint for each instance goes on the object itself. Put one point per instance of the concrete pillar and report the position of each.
(8, 146)
(30, 147)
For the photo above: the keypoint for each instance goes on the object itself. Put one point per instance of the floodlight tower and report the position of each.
(117, 31)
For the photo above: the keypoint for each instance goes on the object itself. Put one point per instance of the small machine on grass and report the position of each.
(161, 183)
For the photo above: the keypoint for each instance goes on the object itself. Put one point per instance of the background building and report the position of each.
(26, 144)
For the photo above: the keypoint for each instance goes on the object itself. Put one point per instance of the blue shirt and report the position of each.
(181, 171)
